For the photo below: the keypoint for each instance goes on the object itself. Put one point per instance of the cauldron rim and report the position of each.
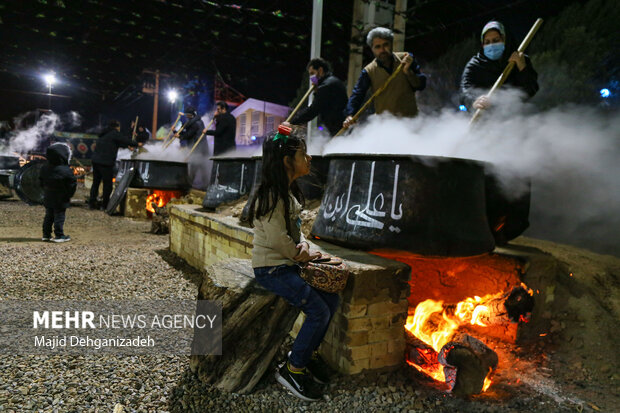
(231, 158)
(385, 156)
(158, 161)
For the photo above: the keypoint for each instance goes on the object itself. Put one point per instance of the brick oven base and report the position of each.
(367, 332)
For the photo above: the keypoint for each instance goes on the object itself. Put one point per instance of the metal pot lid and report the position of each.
(120, 191)
(26, 182)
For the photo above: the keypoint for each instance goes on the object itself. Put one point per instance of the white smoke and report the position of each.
(28, 139)
(570, 153)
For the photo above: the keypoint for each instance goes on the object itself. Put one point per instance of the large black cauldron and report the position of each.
(508, 205)
(231, 178)
(155, 174)
(426, 205)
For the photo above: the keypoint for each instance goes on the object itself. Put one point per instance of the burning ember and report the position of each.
(439, 328)
(160, 198)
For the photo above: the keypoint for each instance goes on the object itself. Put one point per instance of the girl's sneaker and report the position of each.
(46, 238)
(299, 383)
(64, 238)
(318, 369)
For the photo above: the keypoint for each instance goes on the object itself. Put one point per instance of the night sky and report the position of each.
(98, 48)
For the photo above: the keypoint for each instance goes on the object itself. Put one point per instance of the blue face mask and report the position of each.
(494, 51)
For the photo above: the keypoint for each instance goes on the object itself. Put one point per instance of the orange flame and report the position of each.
(439, 330)
(160, 198)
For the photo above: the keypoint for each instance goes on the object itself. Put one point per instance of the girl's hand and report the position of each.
(304, 252)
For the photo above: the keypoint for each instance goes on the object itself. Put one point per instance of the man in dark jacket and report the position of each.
(106, 150)
(485, 68)
(225, 130)
(142, 135)
(59, 184)
(192, 129)
(330, 98)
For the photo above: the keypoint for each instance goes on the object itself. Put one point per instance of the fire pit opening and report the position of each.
(159, 198)
(460, 308)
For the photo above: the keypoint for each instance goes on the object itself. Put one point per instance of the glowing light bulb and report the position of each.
(605, 93)
(463, 108)
(172, 95)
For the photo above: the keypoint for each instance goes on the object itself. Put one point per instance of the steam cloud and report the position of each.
(31, 138)
(570, 153)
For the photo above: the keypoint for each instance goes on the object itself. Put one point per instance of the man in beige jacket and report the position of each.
(399, 96)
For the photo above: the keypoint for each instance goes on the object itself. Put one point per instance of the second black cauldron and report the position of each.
(231, 179)
(155, 174)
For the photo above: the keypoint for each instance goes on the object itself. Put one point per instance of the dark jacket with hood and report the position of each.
(330, 100)
(107, 146)
(481, 73)
(224, 133)
(56, 177)
(192, 130)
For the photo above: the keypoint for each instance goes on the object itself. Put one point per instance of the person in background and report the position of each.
(279, 246)
(142, 135)
(487, 65)
(192, 129)
(225, 130)
(104, 157)
(330, 98)
(398, 98)
(59, 184)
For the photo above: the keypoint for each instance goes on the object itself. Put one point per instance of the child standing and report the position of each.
(279, 246)
(59, 184)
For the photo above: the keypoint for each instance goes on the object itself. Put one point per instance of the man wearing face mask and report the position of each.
(330, 98)
(398, 98)
(485, 68)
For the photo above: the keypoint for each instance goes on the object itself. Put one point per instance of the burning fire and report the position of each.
(436, 324)
(160, 198)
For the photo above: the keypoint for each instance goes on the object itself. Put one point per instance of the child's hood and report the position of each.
(58, 154)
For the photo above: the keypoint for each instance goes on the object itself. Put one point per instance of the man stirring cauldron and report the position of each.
(398, 98)
(197, 165)
(104, 157)
(225, 129)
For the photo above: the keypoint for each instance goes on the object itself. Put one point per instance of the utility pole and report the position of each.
(155, 92)
(315, 51)
(399, 25)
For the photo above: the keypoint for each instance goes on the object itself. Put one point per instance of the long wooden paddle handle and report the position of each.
(173, 136)
(135, 126)
(301, 102)
(171, 128)
(502, 78)
(372, 98)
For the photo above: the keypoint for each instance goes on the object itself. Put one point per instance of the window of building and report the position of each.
(255, 122)
(269, 124)
(242, 124)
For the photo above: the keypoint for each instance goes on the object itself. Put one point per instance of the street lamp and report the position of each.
(172, 95)
(50, 79)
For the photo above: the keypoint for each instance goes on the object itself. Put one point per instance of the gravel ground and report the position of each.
(116, 258)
